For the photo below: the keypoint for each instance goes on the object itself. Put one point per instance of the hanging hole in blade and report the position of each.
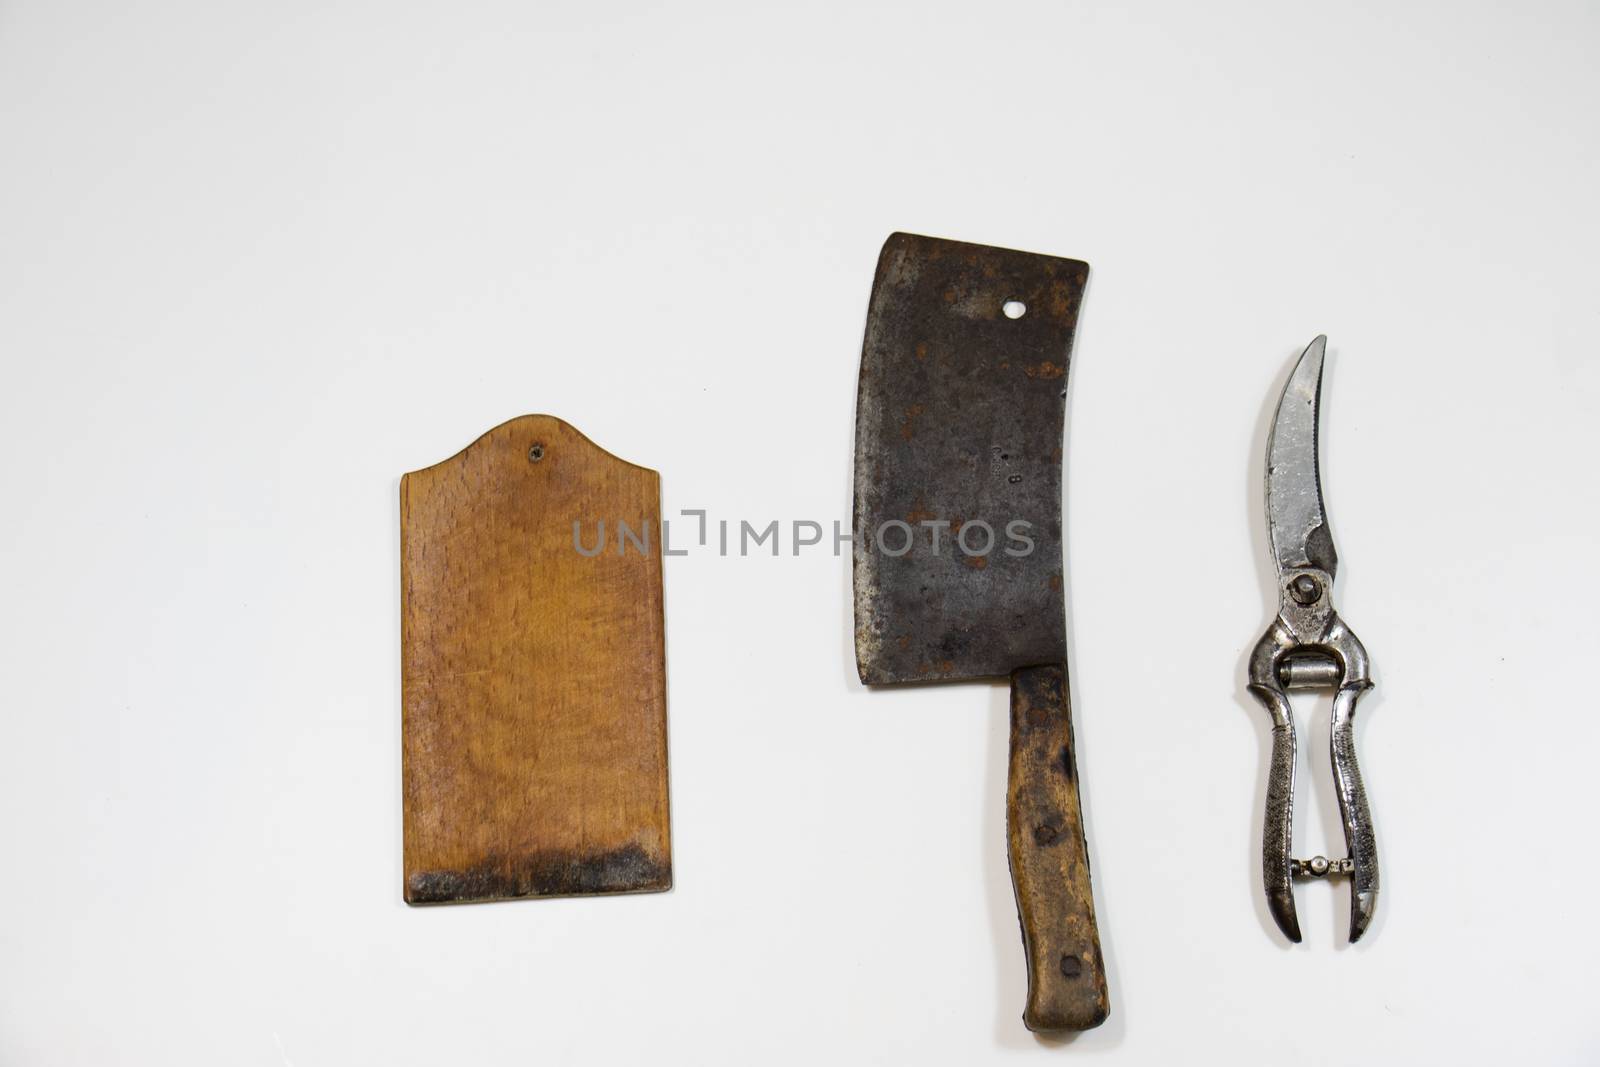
(1014, 309)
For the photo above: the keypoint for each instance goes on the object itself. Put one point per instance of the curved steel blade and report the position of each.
(1296, 519)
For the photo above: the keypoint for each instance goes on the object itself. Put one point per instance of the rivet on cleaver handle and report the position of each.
(958, 561)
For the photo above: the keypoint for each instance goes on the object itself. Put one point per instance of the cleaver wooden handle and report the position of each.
(1049, 859)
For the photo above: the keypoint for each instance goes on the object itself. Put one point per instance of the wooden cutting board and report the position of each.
(534, 688)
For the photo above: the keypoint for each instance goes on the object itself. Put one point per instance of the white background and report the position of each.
(257, 260)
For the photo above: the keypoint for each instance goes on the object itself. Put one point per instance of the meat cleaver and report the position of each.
(957, 551)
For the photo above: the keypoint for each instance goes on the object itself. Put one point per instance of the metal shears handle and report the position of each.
(1335, 661)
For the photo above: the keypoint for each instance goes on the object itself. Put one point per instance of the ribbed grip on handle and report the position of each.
(1049, 859)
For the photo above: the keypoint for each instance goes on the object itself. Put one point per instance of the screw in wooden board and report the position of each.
(1071, 966)
(536, 453)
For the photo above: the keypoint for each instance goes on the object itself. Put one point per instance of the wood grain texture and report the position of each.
(1050, 859)
(534, 689)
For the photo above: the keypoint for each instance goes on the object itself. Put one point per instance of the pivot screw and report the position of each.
(1306, 590)
(536, 453)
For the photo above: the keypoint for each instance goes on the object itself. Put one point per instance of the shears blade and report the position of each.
(1297, 522)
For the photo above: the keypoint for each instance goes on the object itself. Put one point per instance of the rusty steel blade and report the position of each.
(959, 423)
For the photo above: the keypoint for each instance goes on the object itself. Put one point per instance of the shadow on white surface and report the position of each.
(394, 897)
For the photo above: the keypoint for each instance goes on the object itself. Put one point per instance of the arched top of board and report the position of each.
(535, 434)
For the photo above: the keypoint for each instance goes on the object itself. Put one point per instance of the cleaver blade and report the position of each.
(958, 550)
